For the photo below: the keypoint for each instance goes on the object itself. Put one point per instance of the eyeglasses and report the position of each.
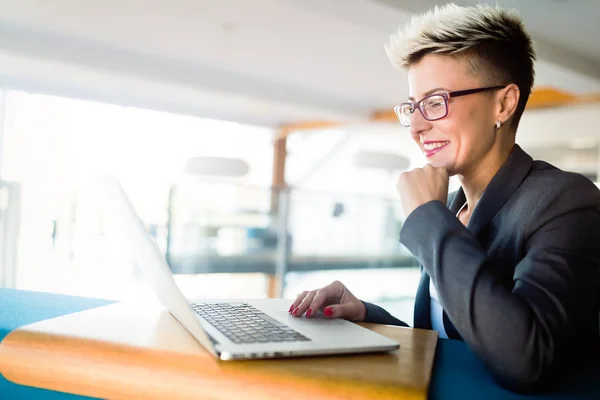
(434, 106)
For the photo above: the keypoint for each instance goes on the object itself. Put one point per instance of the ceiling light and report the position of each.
(583, 143)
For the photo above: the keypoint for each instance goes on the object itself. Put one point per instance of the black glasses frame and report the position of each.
(445, 95)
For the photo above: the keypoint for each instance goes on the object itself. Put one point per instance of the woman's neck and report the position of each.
(474, 183)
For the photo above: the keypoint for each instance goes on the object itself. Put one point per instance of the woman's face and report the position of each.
(467, 134)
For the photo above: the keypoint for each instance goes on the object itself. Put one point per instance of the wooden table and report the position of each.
(126, 350)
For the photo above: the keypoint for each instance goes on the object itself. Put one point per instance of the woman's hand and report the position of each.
(422, 185)
(335, 298)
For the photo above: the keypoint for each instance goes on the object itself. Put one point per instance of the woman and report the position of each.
(510, 262)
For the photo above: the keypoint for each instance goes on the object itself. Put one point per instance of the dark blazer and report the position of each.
(519, 284)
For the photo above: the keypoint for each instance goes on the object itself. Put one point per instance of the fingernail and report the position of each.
(328, 312)
(309, 312)
(291, 308)
(295, 310)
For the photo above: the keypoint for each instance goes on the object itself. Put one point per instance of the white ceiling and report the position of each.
(266, 62)
(570, 24)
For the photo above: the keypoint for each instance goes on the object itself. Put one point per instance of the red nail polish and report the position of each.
(309, 312)
(295, 310)
(291, 308)
(328, 312)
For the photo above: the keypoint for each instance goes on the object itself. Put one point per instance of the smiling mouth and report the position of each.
(432, 148)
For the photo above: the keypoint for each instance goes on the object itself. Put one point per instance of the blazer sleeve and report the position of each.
(378, 315)
(518, 329)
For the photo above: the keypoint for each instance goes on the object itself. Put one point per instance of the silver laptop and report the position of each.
(235, 329)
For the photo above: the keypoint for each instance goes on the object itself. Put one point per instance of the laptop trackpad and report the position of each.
(317, 320)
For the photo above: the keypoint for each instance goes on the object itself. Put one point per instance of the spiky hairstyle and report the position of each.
(492, 41)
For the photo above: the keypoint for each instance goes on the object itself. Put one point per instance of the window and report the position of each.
(54, 147)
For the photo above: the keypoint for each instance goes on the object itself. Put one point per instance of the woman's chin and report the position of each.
(442, 163)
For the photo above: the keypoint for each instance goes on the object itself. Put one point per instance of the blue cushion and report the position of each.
(19, 308)
(459, 374)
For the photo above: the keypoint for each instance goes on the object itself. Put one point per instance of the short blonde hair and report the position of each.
(492, 41)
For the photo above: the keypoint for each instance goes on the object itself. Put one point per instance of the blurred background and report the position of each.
(256, 139)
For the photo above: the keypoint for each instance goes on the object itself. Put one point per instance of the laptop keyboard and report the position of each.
(243, 323)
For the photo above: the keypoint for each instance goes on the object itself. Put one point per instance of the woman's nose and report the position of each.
(418, 124)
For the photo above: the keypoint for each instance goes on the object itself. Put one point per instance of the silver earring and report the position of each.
(498, 124)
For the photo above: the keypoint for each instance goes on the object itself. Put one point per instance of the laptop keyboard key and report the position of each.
(243, 323)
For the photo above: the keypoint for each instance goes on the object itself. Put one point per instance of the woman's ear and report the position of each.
(508, 101)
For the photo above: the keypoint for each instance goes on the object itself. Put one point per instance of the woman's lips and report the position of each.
(439, 147)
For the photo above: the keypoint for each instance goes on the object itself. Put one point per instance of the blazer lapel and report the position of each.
(457, 201)
(499, 190)
(450, 329)
(422, 315)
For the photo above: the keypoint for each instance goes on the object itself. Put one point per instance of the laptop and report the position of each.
(235, 329)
